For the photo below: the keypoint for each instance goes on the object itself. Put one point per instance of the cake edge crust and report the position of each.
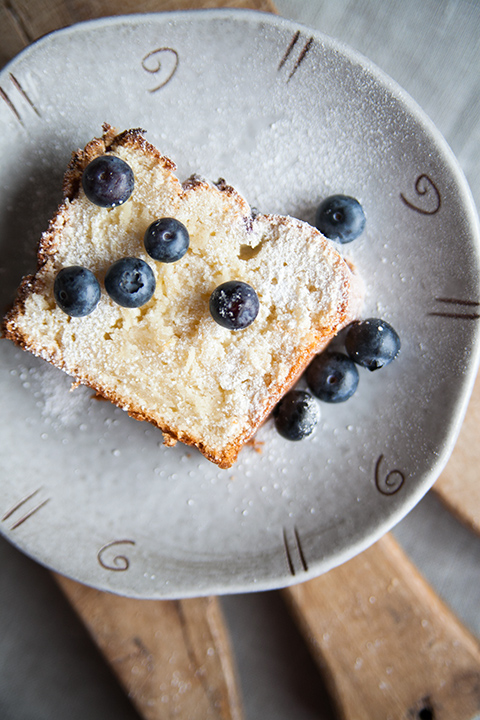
(111, 139)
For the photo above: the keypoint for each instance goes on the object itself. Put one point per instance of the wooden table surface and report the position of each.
(48, 666)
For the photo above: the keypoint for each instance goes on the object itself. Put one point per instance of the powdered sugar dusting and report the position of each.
(62, 404)
(169, 361)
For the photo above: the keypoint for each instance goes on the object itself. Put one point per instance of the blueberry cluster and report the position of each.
(130, 282)
(333, 376)
(108, 181)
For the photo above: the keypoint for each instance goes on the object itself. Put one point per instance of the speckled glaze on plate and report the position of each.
(287, 116)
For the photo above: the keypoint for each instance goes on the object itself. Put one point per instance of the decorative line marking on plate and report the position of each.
(457, 315)
(289, 49)
(424, 186)
(22, 91)
(300, 58)
(158, 65)
(391, 482)
(119, 563)
(6, 98)
(28, 514)
(299, 552)
(12, 107)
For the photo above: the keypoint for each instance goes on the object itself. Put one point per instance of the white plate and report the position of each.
(287, 116)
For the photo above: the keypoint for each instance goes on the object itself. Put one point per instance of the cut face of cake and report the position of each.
(169, 360)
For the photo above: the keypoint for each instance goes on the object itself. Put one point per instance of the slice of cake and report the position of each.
(171, 359)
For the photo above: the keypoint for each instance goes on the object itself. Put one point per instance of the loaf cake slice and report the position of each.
(168, 361)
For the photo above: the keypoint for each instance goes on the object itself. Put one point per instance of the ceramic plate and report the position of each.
(287, 116)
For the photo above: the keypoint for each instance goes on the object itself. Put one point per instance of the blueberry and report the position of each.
(372, 343)
(76, 291)
(166, 240)
(108, 181)
(332, 377)
(130, 282)
(234, 305)
(340, 217)
(296, 415)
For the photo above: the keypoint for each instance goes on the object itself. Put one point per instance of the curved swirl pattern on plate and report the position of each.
(287, 116)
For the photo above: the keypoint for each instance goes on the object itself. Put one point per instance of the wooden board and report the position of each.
(459, 485)
(172, 657)
(387, 645)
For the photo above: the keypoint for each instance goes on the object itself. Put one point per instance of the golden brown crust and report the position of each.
(9, 329)
(109, 141)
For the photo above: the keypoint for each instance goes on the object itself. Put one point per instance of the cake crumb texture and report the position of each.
(168, 361)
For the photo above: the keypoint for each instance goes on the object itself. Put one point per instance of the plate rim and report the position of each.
(414, 109)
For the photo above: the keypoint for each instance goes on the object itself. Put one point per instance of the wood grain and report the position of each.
(459, 484)
(172, 657)
(387, 645)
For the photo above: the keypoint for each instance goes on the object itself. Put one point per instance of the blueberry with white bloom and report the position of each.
(340, 217)
(372, 343)
(234, 305)
(166, 240)
(76, 291)
(130, 282)
(296, 415)
(108, 181)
